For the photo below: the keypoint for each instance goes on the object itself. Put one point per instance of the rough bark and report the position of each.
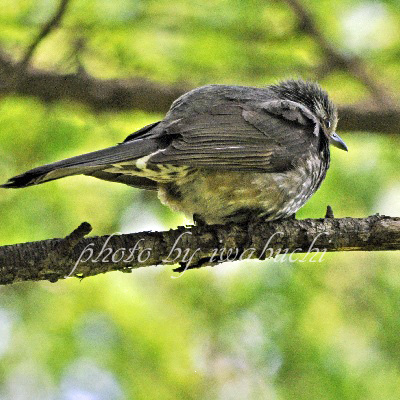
(194, 246)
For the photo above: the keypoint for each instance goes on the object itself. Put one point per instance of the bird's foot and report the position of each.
(198, 221)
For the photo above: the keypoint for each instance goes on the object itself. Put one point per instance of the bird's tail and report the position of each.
(85, 163)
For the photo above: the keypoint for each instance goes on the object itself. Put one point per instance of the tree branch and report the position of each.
(193, 247)
(336, 58)
(137, 93)
(369, 120)
(52, 24)
(101, 95)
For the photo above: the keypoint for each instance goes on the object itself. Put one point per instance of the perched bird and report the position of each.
(222, 153)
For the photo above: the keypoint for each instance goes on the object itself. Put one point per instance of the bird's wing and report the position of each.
(268, 136)
(142, 133)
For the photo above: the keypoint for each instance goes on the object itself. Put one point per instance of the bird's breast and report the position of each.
(222, 196)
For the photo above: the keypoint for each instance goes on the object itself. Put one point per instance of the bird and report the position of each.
(222, 153)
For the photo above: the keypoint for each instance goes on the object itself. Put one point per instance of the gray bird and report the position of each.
(222, 153)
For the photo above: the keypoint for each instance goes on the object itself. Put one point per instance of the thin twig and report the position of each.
(329, 212)
(47, 28)
(61, 253)
(353, 64)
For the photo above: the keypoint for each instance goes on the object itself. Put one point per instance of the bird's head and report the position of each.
(315, 99)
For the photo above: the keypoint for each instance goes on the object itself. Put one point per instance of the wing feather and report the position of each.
(241, 137)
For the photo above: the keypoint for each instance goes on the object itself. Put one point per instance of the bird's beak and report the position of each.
(337, 141)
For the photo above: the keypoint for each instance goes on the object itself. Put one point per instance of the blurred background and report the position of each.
(79, 75)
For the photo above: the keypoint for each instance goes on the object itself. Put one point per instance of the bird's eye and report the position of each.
(328, 124)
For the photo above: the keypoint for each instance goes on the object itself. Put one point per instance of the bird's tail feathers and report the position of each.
(84, 164)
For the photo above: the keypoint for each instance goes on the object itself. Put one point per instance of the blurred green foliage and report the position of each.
(255, 330)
